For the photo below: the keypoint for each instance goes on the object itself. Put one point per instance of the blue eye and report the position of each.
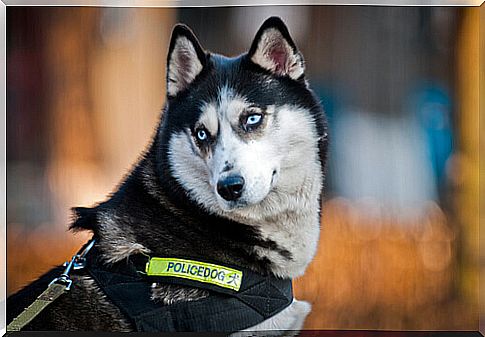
(253, 119)
(202, 135)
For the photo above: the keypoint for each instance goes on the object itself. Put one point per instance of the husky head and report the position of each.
(242, 134)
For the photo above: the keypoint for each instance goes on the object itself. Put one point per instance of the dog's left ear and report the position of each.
(185, 60)
(274, 50)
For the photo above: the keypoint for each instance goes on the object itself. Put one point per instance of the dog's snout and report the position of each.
(230, 188)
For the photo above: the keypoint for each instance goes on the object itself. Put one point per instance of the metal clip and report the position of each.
(80, 261)
(64, 278)
(77, 262)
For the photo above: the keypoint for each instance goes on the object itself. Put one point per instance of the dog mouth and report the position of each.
(244, 199)
(231, 206)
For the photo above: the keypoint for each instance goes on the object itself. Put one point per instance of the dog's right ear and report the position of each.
(185, 60)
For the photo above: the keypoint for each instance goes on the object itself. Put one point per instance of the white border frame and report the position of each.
(236, 3)
(142, 3)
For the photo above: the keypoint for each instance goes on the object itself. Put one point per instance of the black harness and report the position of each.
(129, 288)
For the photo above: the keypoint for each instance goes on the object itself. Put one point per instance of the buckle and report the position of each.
(77, 262)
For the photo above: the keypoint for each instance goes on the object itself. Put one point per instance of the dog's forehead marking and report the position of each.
(226, 108)
(230, 104)
(209, 118)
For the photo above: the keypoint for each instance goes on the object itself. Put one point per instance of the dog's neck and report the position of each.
(292, 221)
(141, 217)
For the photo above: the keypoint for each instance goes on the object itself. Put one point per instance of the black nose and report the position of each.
(230, 188)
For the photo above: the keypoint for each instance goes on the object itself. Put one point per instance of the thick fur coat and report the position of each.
(251, 116)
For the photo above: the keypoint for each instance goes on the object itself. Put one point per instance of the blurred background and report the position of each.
(399, 240)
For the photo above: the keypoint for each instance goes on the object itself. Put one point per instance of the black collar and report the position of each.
(128, 286)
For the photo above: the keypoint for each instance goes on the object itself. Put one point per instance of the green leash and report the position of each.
(56, 288)
(52, 293)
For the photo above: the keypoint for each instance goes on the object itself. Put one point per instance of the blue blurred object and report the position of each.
(433, 108)
(397, 159)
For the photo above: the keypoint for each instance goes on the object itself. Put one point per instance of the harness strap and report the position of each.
(224, 310)
(248, 301)
(53, 291)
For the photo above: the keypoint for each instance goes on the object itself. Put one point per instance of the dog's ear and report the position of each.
(185, 60)
(274, 50)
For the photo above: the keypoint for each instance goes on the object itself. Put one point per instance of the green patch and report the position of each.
(194, 270)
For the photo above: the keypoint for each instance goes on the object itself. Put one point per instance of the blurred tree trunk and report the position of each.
(106, 93)
(70, 41)
(467, 197)
(128, 83)
(482, 165)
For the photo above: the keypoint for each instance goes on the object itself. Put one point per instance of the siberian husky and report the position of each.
(234, 175)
